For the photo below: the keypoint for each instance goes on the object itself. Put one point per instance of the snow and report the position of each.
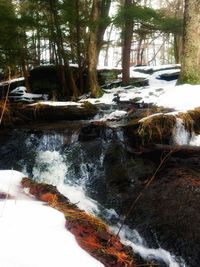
(136, 74)
(12, 81)
(19, 89)
(156, 68)
(33, 234)
(57, 103)
(182, 97)
(160, 93)
(115, 115)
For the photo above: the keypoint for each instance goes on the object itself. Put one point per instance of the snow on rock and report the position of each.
(151, 116)
(12, 81)
(182, 97)
(156, 68)
(33, 234)
(57, 103)
(117, 114)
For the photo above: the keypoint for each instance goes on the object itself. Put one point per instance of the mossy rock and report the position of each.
(156, 129)
(195, 116)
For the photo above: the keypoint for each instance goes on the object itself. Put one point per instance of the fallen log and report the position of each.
(50, 113)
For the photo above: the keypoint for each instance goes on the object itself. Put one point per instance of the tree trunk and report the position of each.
(127, 40)
(69, 81)
(25, 73)
(190, 72)
(139, 51)
(78, 44)
(178, 47)
(93, 50)
(178, 39)
(104, 13)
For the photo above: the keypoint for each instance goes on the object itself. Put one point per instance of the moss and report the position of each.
(195, 116)
(187, 120)
(157, 128)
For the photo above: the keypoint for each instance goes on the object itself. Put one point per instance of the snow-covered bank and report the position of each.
(181, 97)
(33, 234)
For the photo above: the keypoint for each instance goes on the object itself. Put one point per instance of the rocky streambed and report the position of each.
(114, 163)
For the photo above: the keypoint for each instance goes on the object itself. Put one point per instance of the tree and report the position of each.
(127, 34)
(8, 35)
(190, 72)
(98, 24)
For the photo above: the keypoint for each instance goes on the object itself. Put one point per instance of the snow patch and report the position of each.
(33, 234)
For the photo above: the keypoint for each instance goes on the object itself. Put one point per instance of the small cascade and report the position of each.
(180, 135)
(77, 168)
(77, 171)
(133, 238)
(183, 137)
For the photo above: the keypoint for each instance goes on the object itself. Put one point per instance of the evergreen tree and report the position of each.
(8, 35)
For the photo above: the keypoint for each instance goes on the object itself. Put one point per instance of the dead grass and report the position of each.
(91, 233)
(187, 121)
(156, 128)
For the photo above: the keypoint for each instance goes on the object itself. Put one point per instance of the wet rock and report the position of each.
(169, 207)
(123, 172)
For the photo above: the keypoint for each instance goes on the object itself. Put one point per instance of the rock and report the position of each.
(167, 214)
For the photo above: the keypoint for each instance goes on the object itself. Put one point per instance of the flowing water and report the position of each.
(181, 136)
(76, 167)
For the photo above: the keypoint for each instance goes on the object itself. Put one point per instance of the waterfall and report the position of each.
(51, 168)
(77, 170)
(181, 136)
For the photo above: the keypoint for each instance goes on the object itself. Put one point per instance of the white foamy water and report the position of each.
(195, 140)
(51, 167)
(132, 238)
(182, 137)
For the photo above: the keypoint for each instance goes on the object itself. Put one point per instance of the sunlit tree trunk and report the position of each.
(190, 72)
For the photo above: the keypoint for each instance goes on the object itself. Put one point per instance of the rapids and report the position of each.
(75, 163)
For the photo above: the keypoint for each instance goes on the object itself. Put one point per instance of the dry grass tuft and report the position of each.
(91, 233)
(156, 128)
(187, 121)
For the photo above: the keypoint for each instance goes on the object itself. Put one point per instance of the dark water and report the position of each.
(90, 163)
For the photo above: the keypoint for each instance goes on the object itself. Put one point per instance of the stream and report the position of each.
(79, 161)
